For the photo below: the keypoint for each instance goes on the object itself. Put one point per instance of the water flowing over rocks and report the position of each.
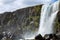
(48, 16)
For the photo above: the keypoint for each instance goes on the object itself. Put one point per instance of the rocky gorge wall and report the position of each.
(57, 22)
(20, 21)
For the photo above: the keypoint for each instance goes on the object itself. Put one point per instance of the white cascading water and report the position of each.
(48, 15)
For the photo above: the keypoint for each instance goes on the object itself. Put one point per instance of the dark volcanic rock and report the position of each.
(48, 37)
(1, 36)
(57, 25)
(39, 37)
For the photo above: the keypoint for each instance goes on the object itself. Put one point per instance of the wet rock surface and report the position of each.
(48, 37)
(39, 37)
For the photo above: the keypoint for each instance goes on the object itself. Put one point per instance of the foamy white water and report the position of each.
(48, 15)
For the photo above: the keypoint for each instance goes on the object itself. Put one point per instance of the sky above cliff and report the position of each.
(11, 5)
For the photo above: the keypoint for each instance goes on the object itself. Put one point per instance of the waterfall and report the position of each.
(48, 15)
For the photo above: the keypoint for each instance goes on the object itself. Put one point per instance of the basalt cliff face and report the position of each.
(20, 21)
(57, 22)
